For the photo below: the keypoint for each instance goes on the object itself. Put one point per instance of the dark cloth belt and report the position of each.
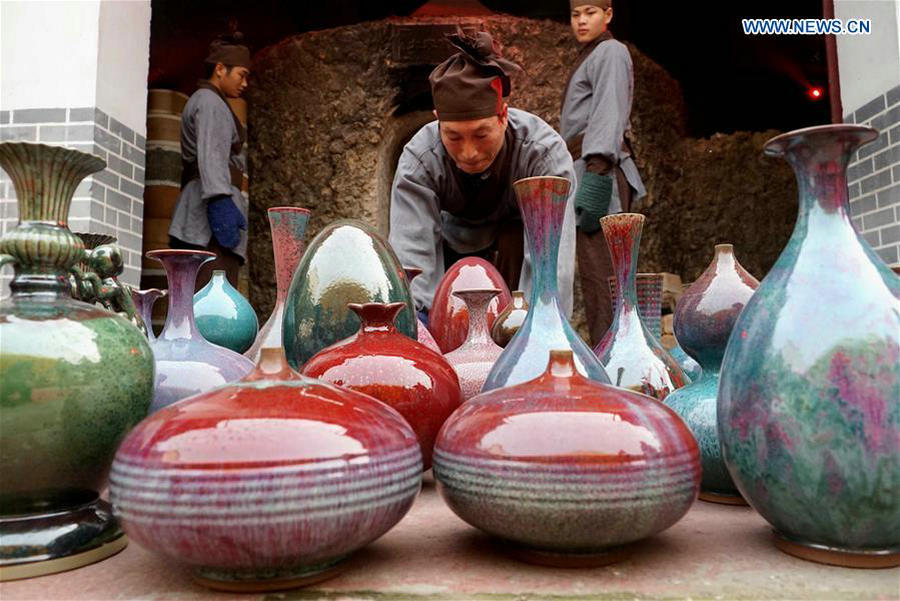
(574, 145)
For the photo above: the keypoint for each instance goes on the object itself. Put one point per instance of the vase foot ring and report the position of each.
(63, 564)
(555, 559)
(838, 557)
(233, 582)
(723, 499)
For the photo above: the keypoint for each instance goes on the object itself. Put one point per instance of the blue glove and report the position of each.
(225, 220)
(592, 201)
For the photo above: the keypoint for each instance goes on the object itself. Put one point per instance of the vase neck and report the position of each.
(377, 317)
(623, 236)
(477, 302)
(288, 225)
(181, 268)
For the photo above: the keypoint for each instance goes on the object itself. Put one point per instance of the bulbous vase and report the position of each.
(422, 334)
(347, 262)
(473, 360)
(704, 319)
(288, 225)
(566, 469)
(510, 319)
(633, 357)
(223, 316)
(809, 393)
(393, 368)
(449, 318)
(267, 483)
(542, 202)
(187, 363)
(688, 364)
(74, 378)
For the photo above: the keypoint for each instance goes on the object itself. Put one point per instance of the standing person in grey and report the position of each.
(211, 212)
(596, 108)
(452, 193)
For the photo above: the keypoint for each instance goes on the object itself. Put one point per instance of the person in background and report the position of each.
(596, 108)
(452, 193)
(211, 212)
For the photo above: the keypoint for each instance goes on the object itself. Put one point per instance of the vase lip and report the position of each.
(376, 313)
(461, 294)
(411, 272)
(90, 160)
(552, 178)
(289, 210)
(724, 248)
(626, 217)
(777, 146)
(162, 253)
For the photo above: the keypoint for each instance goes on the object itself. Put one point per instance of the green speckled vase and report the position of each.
(223, 315)
(74, 379)
(809, 393)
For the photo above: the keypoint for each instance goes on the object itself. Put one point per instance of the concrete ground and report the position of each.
(714, 552)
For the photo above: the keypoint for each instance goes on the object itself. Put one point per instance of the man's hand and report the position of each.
(592, 201)
(225, 220)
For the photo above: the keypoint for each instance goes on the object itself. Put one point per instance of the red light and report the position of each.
(814, 93)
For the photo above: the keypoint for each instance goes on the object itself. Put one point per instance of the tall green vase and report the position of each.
(74, 379)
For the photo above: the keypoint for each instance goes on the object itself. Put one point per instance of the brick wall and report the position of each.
(874, 176)
(110, 201)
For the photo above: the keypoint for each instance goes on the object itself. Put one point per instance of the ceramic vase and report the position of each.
(267, 483)
(473, 360)
(144, 301)
(704, 319)
(223, 316)
(633, 357)
(510, 319)
(809, 393)
(542, 203)
(688, 364)
(393, 368)
(74, 378)
(347, 262)
(422, 333)
(187, 363)
(288, 225)
(649, 300)
(565, 469)
(449, 318)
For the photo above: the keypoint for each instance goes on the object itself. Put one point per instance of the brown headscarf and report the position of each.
(472, 83)
(604, 4)
(228, 50)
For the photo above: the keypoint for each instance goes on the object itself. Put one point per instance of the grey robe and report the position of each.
(598, 105)
(423, 179)
(207, 135)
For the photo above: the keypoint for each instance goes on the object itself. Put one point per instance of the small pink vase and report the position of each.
(474, 359)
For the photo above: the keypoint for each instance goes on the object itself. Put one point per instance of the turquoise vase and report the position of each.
(704, 319)
(223, 315)
(687, 363)
(809, 394)
(74, 379)
(542, 202)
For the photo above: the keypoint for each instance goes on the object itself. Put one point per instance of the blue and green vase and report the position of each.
(809, 393)
(704, 318)
(223, 315)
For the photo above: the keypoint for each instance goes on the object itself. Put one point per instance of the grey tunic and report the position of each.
(598, 105)
(423, 184)
(207, 135)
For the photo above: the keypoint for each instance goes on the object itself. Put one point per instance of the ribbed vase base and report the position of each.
(722, 499)
(848, 558)
(556, 559)
(38, 545)
(249, 581)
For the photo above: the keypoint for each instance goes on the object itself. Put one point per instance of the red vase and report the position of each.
(266, 483)
(567, 469)
(381, 362)
(510, 319)
(423, 335)
(449, 318)
(473, 361)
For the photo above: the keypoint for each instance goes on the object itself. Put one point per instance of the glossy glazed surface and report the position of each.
(704, 318)
(273, 477)
(143, 302)
(422, 333)
(449, 317)
(566, 464)
(510, 319)
(288, 225)
(187, 363)
(393, 368)
(809, 393)
(473, 361)
(223, 316)
(327, 279)
(633, 357)
(542, 202)
(687, 363)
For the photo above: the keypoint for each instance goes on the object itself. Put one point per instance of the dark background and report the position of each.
(731, 82)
